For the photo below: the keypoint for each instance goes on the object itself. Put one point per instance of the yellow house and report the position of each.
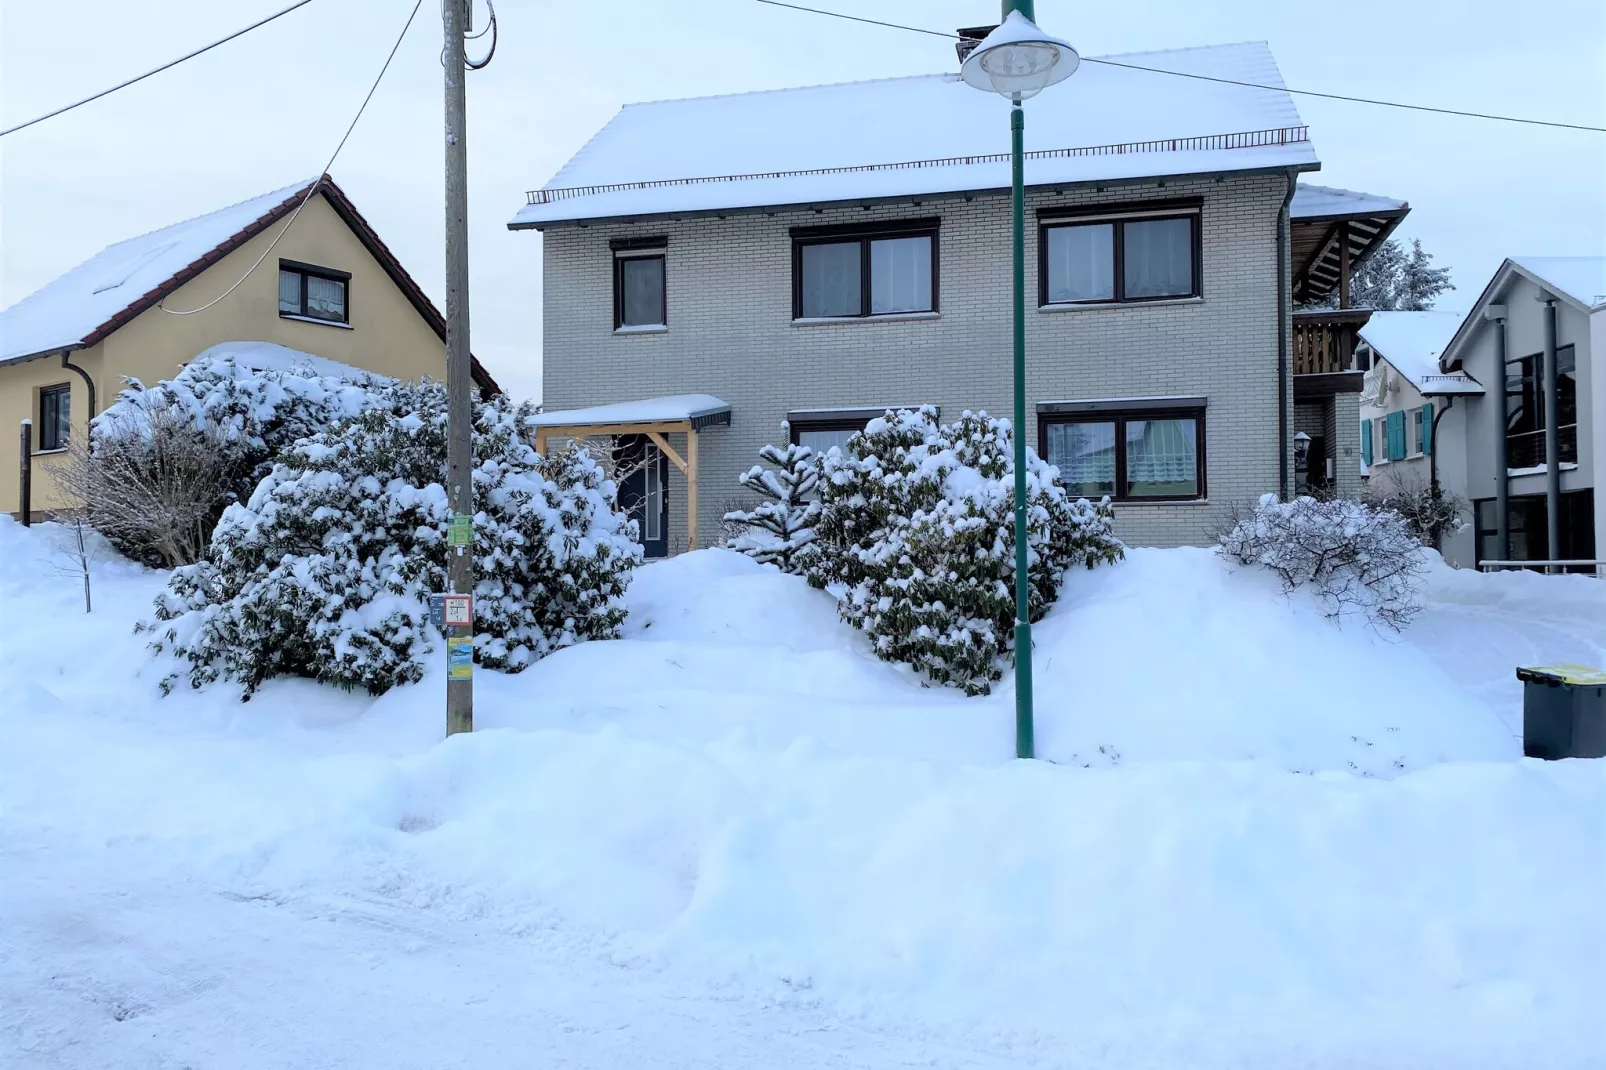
(329, 287)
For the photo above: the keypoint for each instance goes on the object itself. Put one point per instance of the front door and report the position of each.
(644, 490)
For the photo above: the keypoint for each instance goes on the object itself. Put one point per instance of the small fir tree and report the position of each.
(779, 530)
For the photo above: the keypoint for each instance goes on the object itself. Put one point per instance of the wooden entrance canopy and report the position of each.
(654, 418)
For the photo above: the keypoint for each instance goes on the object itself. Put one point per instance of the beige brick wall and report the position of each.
(730, 333)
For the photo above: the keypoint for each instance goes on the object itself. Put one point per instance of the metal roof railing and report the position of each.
(1248, 139)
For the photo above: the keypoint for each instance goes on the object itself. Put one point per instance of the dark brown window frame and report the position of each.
(865, 234)
(1119, 418)
(797, 427)
(315, 271)
(1117, 216)
(53, 389)
(652, 248)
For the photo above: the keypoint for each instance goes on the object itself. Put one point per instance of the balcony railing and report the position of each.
(1324, 339)
(1526, 449)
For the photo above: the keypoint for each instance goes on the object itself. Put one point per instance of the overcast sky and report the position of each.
(266, 110)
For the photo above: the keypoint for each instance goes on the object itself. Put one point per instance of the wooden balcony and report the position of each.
(1323, 351)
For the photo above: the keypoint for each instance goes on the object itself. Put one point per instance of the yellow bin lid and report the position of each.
(1579, 675)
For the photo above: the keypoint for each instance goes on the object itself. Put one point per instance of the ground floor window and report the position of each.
(1128, 456)
(1529, 530)
(55, 416)
(821, 435)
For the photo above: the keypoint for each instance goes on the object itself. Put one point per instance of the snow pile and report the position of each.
(326, 571)
(778, 529)
(736, 837)
(916, 538)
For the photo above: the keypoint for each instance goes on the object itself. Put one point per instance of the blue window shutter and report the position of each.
(1427, 429)
(1396, 435)
(1366, 443)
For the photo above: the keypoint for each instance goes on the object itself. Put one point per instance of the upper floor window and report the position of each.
(313, 292)
(1525, 409)
(1133, 455)
(1098, 256)
(863, 270)
(55, 416)
(640, 286)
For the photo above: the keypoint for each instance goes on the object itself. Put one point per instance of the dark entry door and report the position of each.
(644, 490)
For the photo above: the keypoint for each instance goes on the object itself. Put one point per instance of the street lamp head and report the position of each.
(1018, 60)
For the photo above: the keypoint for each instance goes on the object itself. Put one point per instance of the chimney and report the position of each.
(969, 38)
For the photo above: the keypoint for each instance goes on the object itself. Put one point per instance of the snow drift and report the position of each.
(738, 798)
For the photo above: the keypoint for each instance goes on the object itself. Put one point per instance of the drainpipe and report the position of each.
(89, 384)
(1433, 463)
(1283, 283)
(1552, 440)
(1502, 481)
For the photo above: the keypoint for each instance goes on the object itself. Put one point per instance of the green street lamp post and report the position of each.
(1017, 60)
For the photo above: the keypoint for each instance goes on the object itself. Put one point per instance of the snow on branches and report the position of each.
(779, 529)
(325, 571)
(1354, 558)
(915, 538)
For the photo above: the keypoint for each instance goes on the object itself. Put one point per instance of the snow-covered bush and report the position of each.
(166, 460)
(326, 570)
(1431, 514)
(778, 530)
(916, 539)
(1355, 559)
(154, 493)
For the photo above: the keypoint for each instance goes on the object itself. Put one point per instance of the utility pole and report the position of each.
(459, 379)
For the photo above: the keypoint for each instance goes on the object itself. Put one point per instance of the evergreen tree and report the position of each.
(916, 540)
(779, 529)
(1393, 279)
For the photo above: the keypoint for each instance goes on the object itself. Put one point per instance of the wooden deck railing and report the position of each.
(1324, 339)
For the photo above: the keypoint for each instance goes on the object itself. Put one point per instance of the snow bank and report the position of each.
(736, 806)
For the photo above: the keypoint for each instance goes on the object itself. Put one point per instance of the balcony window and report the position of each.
(1525, 409)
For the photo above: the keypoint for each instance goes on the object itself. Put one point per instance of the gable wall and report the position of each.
(386, 335)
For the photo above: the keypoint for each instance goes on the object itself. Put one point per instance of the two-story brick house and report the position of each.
(816, 255)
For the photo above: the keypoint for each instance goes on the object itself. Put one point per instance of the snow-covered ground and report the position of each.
(735, 839)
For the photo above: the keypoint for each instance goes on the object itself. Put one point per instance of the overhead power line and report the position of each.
(312, 189)
(157, 70)
(1225, 81)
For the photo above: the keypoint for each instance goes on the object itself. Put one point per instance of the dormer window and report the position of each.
(315, 293)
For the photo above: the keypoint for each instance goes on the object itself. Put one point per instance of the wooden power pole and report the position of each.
(459, 377)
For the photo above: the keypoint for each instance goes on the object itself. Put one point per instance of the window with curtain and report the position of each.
(55, 416)
(312, 292)
(1127, 456)
(863, 271)
(1142, 258)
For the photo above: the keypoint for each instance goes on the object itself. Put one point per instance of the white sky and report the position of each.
(267, 109)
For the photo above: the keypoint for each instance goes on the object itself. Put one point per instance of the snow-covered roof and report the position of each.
(929, 134)
(77, 305)
(672, 409)
(1321, 202)
(269, 356)
(1583, 278)
(1411, 342)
